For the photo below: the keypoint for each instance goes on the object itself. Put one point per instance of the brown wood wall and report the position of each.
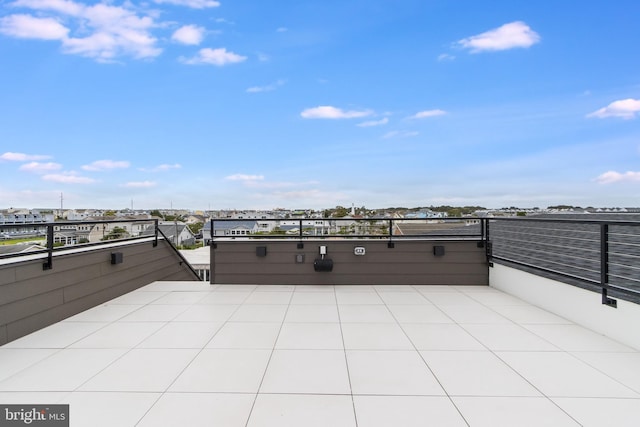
(32, 298)
(409, 262)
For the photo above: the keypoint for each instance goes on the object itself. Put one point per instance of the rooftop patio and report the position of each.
(190, 354)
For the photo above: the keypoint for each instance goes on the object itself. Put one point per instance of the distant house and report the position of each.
(79, 214)
(22, 223)
(178, 233)
(193, 219)
(98, 232)
(229, 229)
(266, 226)
(316, 227)
(426, 214)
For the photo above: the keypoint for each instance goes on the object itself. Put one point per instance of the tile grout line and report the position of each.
(560, 350)
(346, 359)
(194, 357)
(511, 367)
(68, 347)
(275, 343)
(422, 358)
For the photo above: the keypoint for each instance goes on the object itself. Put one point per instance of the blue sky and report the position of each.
(308, 104)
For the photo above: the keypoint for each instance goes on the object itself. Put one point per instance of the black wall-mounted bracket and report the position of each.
(608, 301)
(261, 251)
(323, 264)
(117, 258)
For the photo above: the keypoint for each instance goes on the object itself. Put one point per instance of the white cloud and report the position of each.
(371, 123)
(194, 4)
(22, 157)
(400, 134)
(624, 108)
(139, 184)
(445, 57)
(267, 88)
(162, 168)
(218, 57)
(428, 113)
(329, 112)
(613, 177)
(36, 167)
(244, 177)
(118, 31)
(189, 35)
(298, 194)
(68, 178)
(103, 165)
(30, 27)
(102, 31)
(66, 7)
(282, 29)
(509, 36)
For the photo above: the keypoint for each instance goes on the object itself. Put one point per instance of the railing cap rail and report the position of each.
(567, 220)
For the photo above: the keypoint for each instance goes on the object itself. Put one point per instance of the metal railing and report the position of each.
(183, 260)
(58, 236)
(599, 255)
(348, 228)
(595, 254)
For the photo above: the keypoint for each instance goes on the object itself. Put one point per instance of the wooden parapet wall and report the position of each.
(408, 262)
(32, 298)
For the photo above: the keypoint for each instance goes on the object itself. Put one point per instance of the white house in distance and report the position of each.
(177, 233)
(230, 229)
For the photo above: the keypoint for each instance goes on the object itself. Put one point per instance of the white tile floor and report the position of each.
(183, 353)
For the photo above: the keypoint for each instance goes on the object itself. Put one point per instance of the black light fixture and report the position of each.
(261, 251)
(117, 258)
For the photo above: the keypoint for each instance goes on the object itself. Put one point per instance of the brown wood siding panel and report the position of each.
(240, 258)
(3, 335)
(7, 276)
(29, 306)
(27, 325)
(328, 279)
(34, 286)
(94, 270)
(150, 269)
(36, 298)
(408, 262)
(398, 268)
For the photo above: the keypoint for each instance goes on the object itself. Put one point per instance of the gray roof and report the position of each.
(228, 225)
(17, 249)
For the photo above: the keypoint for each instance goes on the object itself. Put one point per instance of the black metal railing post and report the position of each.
(604, 254)
(604, 265)
(487, 241)
(300, 228)
(48, 265)
(155, 232)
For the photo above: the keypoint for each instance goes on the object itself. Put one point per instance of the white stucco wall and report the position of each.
(578, 305)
